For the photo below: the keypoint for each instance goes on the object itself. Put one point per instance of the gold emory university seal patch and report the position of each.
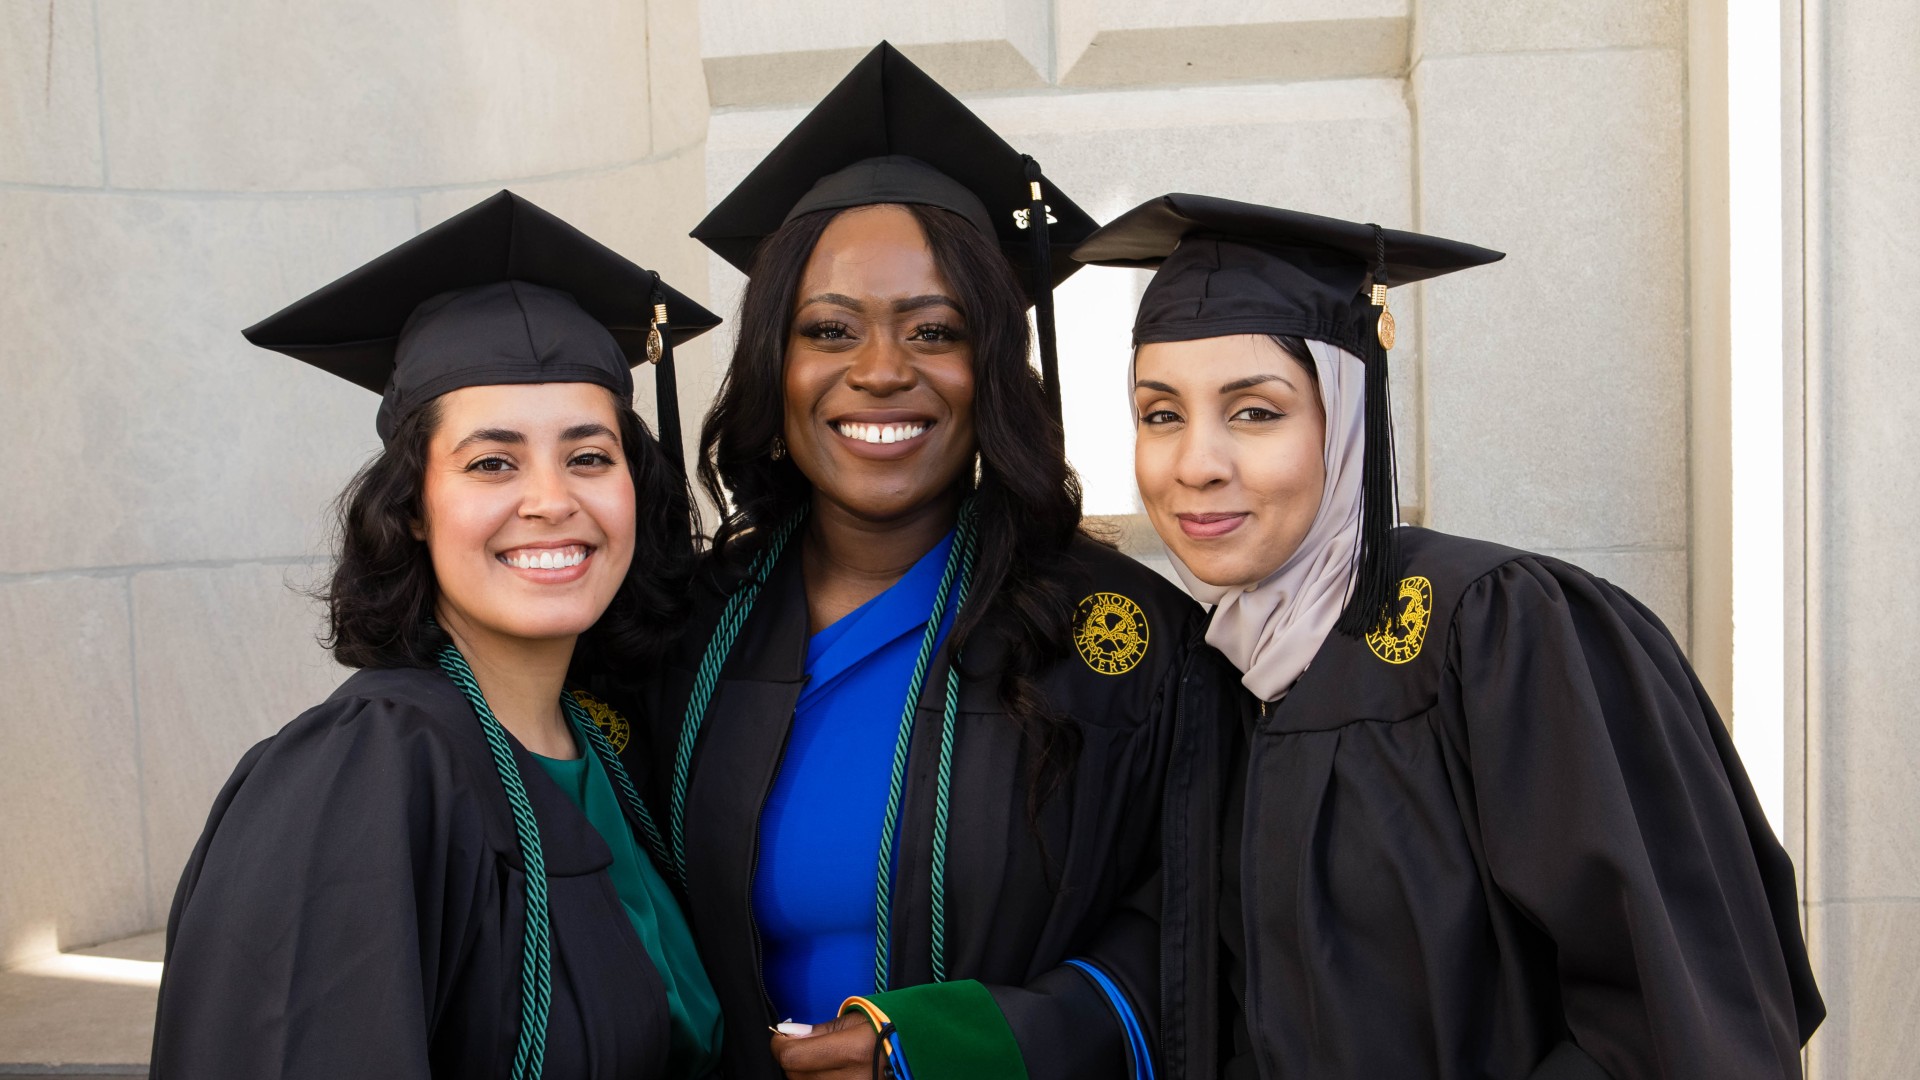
(612, 724)
(1111, 633)
(1400, 639)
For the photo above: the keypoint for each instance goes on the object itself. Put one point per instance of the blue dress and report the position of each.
(814, 886)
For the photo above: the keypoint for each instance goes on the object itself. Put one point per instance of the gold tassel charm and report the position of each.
(656, 345)
(1384, 328)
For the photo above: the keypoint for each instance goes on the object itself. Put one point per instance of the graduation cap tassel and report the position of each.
(666, 392)
(1375, 585)
(1043, 287)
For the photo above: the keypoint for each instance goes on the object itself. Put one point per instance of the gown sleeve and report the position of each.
(1090, 1017)
(1097, 1014)
(1617, 817)
(325, 899)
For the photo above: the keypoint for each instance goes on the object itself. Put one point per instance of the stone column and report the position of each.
(170, 173)
(1861, 203)
(1557, 379)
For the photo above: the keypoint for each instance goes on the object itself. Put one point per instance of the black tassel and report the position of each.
(1043, 287)
(666, 391)
(1377, 577)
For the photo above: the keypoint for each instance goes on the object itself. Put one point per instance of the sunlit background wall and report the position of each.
(1689, 375)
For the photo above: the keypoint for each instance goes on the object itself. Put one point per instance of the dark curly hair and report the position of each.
(382, 593)
(1027, 497)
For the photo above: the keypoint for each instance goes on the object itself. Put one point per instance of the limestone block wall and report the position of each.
(1556, 391)
(170, 173)
(1859, 205)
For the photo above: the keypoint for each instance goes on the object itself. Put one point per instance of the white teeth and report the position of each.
(882, 434)
(547, 559)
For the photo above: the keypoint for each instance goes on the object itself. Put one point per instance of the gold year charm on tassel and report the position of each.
(656, 346)
(1384, 327)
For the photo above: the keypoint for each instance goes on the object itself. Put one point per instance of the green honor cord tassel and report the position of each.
(957, 557)
(536, 963)
(536, 971)
(732, 618)
(944, 784)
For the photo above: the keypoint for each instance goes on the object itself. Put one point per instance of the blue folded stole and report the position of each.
(1137, 1047)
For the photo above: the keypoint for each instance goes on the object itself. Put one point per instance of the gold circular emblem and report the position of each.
(1399, 641)
(1111, 633)
(656, 347)
(1385, 329)
(611, 723)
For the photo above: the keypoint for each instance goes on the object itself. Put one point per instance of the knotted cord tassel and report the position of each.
(1043, 286)
(1376, 577)
(666, 391)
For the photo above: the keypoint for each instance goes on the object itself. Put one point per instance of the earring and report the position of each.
(779, 448)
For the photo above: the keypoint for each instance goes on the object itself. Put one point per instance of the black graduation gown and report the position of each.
(355, 909)
(1515, 843)
(1018, 906)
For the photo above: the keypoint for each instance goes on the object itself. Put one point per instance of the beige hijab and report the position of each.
(1272, 629)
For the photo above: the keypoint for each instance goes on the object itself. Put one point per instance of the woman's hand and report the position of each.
(841, 1049)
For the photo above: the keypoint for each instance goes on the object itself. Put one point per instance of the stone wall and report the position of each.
(1860, 272)
(169, 173)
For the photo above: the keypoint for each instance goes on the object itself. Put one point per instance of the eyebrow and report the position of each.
(589, 430)
(1232, 387)
(1256, 380)
(900, 306)
(499, 435)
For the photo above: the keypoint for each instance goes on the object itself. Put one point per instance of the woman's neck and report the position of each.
(848, 560)
(522, 680)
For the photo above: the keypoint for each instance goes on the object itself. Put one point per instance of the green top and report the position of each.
(694, 1049)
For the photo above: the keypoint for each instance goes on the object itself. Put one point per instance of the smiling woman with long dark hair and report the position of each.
(911, 753)
(1026, 501)
(442, 870)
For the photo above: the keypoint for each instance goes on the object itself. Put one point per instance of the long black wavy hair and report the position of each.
(1026, 496)
(381, 596)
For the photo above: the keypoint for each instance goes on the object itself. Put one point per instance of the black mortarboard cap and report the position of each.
(888, 133)
(503, 292)
(1226, 267)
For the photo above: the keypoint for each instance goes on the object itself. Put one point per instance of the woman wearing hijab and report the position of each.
(1482, 820)
(911, 755)
(435, 873)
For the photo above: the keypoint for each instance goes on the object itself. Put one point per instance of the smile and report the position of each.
(560, 558)
(879, 434)
(1209, 526)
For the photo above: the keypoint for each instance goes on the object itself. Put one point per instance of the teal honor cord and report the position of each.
(536, 947)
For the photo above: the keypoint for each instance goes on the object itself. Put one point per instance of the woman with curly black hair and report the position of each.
(910, 755)
(438, 872)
